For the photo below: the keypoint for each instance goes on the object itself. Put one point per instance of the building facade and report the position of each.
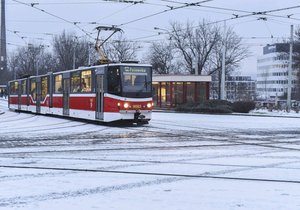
(240, 88)
(172, 90)
(272, 72)
(237, 88)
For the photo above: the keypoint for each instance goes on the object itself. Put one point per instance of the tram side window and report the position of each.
(86, 81)
(13, 88)
(33, 89)
(75, 82)
(23, 87)
(58, 84)
(114, 80)
(44, 87)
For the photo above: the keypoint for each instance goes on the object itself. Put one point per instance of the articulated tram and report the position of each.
(109, 92)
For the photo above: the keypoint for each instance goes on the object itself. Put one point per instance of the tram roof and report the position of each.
(85, 68)
(102, 65)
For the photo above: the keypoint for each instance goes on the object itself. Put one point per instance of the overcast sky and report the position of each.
(34, 25)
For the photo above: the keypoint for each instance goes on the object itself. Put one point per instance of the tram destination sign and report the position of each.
(129, 69)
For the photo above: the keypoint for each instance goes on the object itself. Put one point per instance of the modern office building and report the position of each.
(272, 72)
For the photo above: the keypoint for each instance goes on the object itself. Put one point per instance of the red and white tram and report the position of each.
(110, 92)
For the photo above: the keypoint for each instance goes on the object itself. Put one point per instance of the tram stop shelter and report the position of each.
(170, 91)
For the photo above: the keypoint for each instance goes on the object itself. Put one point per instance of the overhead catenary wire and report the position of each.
(81, 2)
(184, 5)
(245, 15)
(164, 11)
(53, 15)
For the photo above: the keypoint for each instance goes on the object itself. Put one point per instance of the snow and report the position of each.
(54, 163)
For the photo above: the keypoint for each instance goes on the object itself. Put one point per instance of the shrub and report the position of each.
(243, 106)
(210, 106)
(215, 103)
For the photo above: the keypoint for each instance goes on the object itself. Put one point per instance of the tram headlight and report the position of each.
(149, 105)
(126, 105)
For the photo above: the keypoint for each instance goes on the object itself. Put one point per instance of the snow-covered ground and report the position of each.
(178, 162)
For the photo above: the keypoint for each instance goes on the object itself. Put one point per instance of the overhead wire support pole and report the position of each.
(222, 94)
(3, 52)
(290, 69)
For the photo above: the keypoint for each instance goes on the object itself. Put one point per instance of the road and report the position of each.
(178, 161)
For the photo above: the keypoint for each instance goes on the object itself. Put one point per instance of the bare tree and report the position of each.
(30, 60)
(201, 46)
(195, 43)
(67, 49)
(235, 53)
(121, 49)
(161, 57)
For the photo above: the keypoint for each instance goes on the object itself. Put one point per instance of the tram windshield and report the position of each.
(136, 81)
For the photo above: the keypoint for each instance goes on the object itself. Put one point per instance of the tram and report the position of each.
(106, 93)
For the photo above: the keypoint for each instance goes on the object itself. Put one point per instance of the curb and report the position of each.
(256, 115)
(233, 114)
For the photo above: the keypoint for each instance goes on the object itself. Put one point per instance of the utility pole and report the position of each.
(74, 51)
(89, 58)
(37, 67)
(197, 58)
(289, 90)
(222, 94)
(196, 64)
(74, 57)
(3, 56)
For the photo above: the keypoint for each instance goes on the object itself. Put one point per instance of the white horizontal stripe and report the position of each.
(83, 95)
(57, 95)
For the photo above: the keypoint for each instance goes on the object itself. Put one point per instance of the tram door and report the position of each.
(99, 97)
(19, 95)
(38, 95)
(66, 97)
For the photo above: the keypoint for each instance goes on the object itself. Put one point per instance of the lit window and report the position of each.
(58, 84)
(86, 81)
(33, 89)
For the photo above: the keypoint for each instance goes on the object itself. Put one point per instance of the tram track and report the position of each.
(154, 174)
(17, 120)
(191, 136)
(159, 177)
(119, 149)
(47, 129)
(224, 143)
(177, 162)
(35, 126)
(234, 134)
(170, 134)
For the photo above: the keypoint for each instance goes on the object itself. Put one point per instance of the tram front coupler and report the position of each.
(138, 116)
